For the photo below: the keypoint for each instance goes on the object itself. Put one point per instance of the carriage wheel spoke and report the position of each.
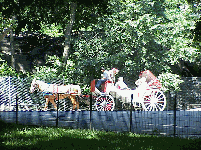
(148, 107)
(158, 106)
(105, 103)
(154, 100)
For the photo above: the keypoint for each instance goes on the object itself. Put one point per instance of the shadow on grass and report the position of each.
(86, 139)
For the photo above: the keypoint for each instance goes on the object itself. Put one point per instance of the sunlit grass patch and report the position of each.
(26, 137)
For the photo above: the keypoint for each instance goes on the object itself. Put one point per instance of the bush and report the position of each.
(170, 82)
(6, 70)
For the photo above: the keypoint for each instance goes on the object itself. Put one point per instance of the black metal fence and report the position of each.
(20, 106)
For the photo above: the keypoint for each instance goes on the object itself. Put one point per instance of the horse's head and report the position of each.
(34, 86)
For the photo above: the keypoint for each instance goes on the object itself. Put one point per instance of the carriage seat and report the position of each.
(103, 86)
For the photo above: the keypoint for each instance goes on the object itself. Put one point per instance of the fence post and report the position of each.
(9, 92)
(57, 111)
(90, 109)
(131, 112)
(175, 103)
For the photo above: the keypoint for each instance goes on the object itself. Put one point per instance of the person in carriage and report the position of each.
(106, 76)
(141, 83)
(121, 85)
(147, 80)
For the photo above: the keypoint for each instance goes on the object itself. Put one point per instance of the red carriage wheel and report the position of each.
(105, 103)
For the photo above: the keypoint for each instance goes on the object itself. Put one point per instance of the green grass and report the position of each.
(31, 137)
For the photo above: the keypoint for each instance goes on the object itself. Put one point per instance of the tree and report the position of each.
(147, 35)
(4, 34)
(33, 12)
(9, 24)
(134, 36)
(69, 27)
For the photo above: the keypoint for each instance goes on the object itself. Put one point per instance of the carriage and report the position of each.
(147, 96)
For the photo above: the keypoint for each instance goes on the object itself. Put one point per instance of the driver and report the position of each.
(105, 77)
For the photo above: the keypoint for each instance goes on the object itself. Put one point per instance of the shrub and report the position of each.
(170, 82)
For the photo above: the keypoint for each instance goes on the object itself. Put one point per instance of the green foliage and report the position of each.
(50, 71)
(86, 90)
(7, 21)
(31, 13)
(6, 70)
(136, 36)
(54, 70)
(170, 82)
(4, 23)
(44, 72)
(52, 30)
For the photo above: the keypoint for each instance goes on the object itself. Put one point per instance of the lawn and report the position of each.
(31, 137)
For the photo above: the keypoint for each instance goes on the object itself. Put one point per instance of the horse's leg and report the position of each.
(74, 102)
(77, 103)
(51, 97)
(47, 101)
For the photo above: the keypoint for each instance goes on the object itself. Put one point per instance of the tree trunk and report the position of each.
(12, 49)
(4, 34)
(11, 44)
(68, 31)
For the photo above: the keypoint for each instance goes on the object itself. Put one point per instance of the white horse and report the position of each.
(50, 92)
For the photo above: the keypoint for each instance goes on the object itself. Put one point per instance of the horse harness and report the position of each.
(45, 93)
